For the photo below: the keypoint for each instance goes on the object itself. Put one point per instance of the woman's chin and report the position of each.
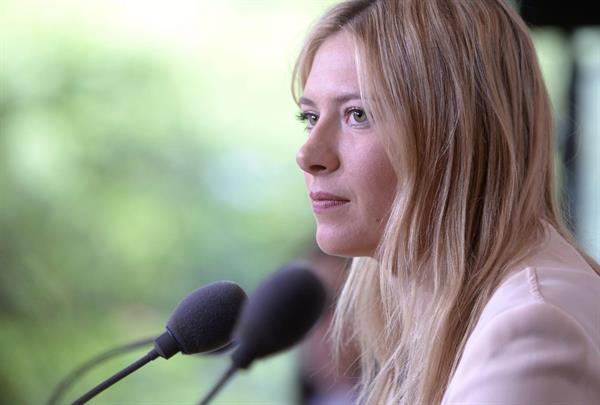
(343, 246)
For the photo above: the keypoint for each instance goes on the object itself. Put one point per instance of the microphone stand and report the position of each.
(77, 373)
(151, 355)
(224, 378)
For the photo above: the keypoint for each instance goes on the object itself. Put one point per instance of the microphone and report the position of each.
(202, 322)
(278, 315)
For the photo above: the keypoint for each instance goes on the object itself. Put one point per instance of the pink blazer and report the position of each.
(538, 338)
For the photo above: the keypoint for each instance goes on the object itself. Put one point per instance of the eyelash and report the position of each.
(304, 116)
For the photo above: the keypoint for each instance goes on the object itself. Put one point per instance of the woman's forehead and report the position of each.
(333, 74)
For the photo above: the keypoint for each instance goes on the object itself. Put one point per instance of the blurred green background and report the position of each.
(147, 148)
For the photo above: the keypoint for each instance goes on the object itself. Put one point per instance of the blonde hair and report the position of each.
(454, 89)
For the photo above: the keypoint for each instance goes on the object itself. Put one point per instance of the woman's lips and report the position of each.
(322, 201)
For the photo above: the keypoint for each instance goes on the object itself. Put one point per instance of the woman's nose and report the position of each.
(318, 154)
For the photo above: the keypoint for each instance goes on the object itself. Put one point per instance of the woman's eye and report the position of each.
(310, 118)
(358, 116)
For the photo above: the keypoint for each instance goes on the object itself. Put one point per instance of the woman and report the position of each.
(429, 159)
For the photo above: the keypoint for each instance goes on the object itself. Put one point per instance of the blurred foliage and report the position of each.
(146, 149)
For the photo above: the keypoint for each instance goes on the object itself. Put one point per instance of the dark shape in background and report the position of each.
(568, 16)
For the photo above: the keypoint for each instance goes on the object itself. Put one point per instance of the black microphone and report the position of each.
(202, 322)
(278, 315)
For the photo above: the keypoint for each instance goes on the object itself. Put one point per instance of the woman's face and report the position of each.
(348, 175)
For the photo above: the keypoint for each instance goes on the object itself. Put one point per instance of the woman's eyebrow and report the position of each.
(340, 99)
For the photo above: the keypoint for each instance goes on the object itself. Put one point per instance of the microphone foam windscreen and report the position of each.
(204, 320)
(279, 314)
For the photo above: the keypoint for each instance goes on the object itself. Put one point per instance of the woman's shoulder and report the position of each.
(556, 276)
(538, 338)
(531, 353)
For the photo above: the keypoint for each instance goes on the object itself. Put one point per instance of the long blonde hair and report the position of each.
(454, 89)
